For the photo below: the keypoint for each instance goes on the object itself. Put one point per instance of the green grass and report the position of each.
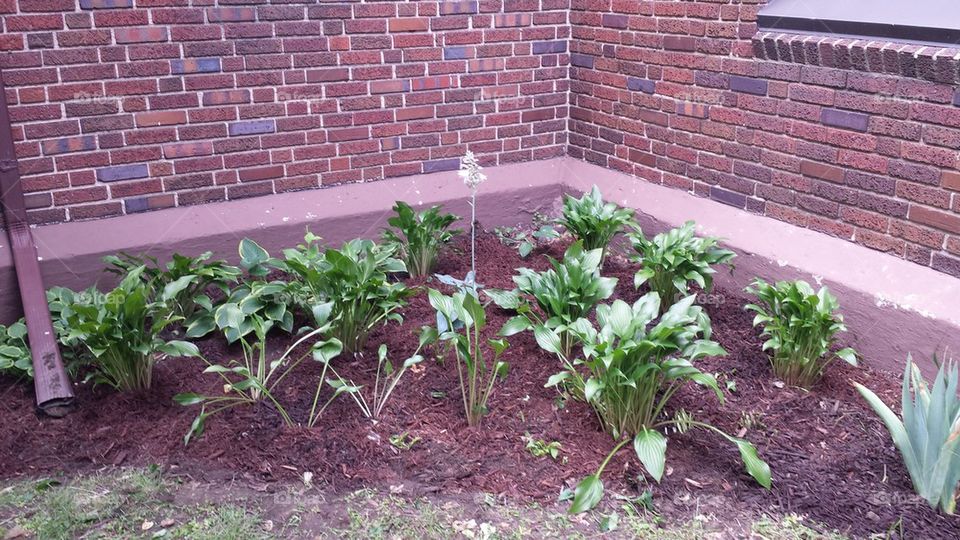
(119, 503)
(223, 523)
(143, 503)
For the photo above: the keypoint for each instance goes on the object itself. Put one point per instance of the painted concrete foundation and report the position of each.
(893, 307)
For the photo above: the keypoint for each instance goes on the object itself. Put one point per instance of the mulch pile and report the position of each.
(832, 460)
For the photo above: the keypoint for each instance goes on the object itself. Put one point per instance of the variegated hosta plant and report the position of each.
(928, 435)
(800, 325)
(629, 370)
(15, 356)
(671, 261)
(560, 296)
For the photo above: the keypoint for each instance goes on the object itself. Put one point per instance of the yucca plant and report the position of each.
(355, 278)
(801, 327)
(418, 236)
(592, 221)
(464, 319)
(255, 377)
(188, 277)
(628, 372)
(672, 260)
(121, 330)
(928, 435)
(15, 359)
(561, 295)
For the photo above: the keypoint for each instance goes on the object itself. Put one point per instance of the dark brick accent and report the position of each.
(123, 172)
(105, 4)
(458, 8)
(845, 119)
(641, 85)
(252, 127)
(748, 85)
(441, 165)
(195, 65)
(613, 20)
(581, 60)
(549, 47)
(454, 53)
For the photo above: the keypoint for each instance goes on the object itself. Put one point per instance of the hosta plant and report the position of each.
(800, 325)
(372, 401)
(189, 277)
(671, 261)
(121, 331)
(418, 236)
(465, 319)
(526, 240)
(255, 377)
(592, 221)
(558, 297)
(260, 305)
(61, 302)
(355, 278)
(629, 370)
(15, 359)
(928, 434)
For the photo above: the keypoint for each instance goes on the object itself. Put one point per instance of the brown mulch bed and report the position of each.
(832, 460)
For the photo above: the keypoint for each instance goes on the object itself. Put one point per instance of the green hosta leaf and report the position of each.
(413, 360)
(17, 330)
(588, 493)
(620, 319)
(592, 388)
(505, 299)
(229, 316)
(251, 254)
(757, 468)
(174, 288)
(642, 276)
(321, 312)
(10, 351)
(179, 348)
(547, 339)
(428, 335)
(499, 345)
(188, 398)
(651, 449)
(325, 351)
(557, 378)
(196, 428)
(848, 355)
(442, 303)
(515, 325)
(341, 386)
(524, 249)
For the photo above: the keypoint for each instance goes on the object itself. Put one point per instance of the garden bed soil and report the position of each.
(832, 460)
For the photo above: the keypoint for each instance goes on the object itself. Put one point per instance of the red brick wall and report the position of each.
(855, 139)
(123, 106)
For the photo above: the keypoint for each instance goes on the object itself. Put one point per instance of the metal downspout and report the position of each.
(54, 392)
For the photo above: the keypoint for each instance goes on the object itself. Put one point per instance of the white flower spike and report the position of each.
(471, 171)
